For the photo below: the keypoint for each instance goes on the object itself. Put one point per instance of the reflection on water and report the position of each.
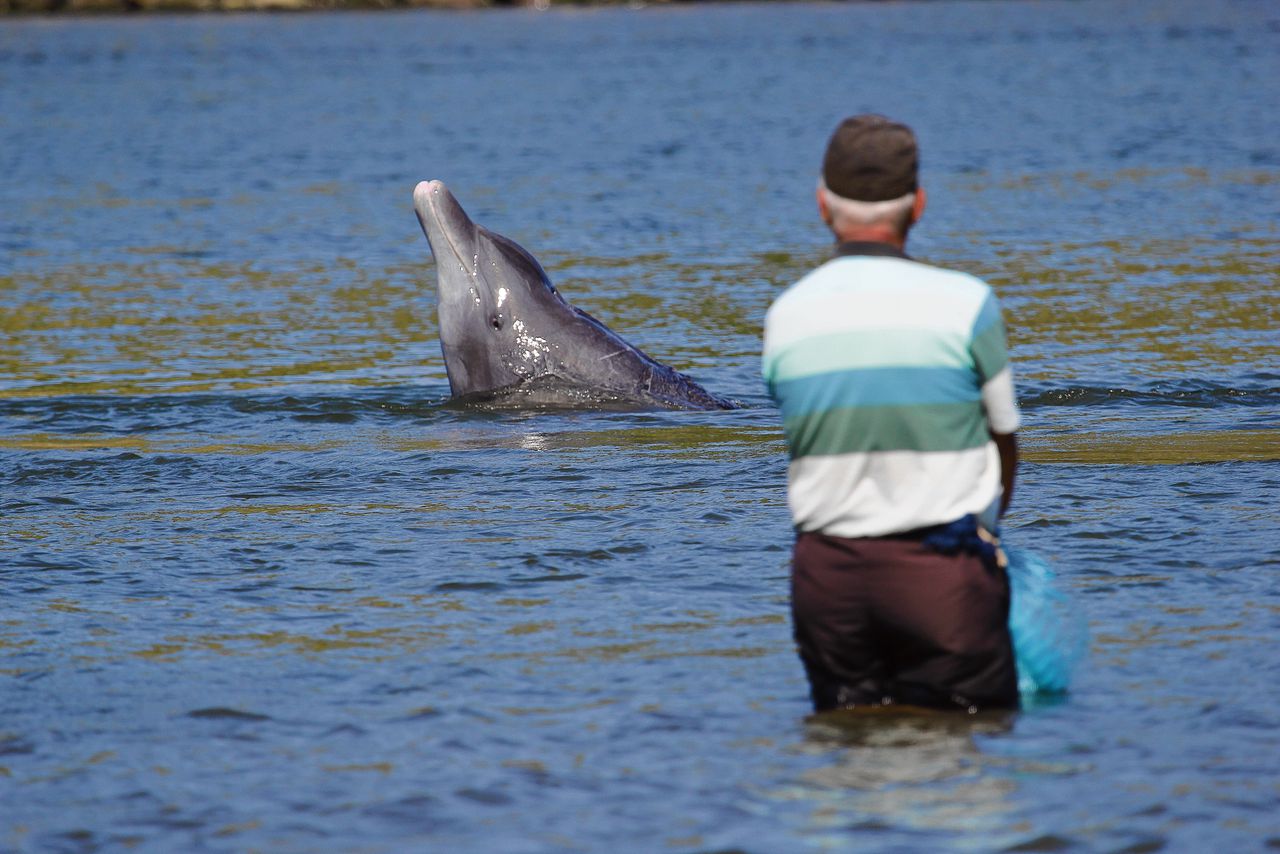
(268, 591)
(894, 771)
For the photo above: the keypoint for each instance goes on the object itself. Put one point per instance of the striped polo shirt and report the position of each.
(890, 375)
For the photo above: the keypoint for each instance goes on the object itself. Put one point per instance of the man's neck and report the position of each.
(872, 234)
(868, 249)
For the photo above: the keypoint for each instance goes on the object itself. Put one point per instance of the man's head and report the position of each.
(869, 188)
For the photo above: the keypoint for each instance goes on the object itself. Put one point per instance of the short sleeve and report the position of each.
(987, 340)
(989, 349)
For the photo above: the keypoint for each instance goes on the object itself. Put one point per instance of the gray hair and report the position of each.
(893, 212)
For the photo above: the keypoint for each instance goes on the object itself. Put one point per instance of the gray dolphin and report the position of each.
(510, 338)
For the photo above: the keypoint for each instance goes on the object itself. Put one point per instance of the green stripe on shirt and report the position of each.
(989, 352)
(864, 429)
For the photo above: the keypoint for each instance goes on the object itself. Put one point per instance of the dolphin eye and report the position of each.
(496, 321)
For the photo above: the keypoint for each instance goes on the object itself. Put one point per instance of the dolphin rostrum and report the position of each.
(510, 338)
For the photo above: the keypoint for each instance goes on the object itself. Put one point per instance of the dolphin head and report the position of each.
(493, 297)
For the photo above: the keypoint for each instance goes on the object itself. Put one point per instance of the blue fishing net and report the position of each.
(1050, 637)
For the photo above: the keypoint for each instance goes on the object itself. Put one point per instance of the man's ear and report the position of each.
(823, 210)
(917, 207)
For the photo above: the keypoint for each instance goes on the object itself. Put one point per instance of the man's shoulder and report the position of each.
(933, 275)
(894, 277)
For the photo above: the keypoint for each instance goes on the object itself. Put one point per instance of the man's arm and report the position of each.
(1007, 445)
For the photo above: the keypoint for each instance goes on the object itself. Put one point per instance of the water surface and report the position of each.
(266, 591)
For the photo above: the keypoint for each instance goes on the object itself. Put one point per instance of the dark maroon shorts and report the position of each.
(890, 620)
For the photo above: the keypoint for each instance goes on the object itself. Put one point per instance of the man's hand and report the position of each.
(1007, 445)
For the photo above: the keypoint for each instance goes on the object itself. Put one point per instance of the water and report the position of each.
(264, 591)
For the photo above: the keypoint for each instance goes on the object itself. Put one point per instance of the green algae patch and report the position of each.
(382, 642)
(1213, 446)
(156, 445)
(164, 323)
(672, 438)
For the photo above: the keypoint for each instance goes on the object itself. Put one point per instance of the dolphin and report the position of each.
(510, 339)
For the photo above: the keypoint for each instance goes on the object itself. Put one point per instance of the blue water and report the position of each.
(265, 591)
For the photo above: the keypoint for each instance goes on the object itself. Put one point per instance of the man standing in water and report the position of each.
(898, 406)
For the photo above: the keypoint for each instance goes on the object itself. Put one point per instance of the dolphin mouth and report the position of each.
(434, 204)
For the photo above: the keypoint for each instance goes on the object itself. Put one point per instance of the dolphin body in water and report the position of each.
(510, 339)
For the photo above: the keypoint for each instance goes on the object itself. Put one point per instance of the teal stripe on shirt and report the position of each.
(896, 386)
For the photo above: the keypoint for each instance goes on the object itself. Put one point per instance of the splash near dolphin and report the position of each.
(510, 339)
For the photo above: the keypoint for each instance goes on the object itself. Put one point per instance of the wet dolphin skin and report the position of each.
(508, 335)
